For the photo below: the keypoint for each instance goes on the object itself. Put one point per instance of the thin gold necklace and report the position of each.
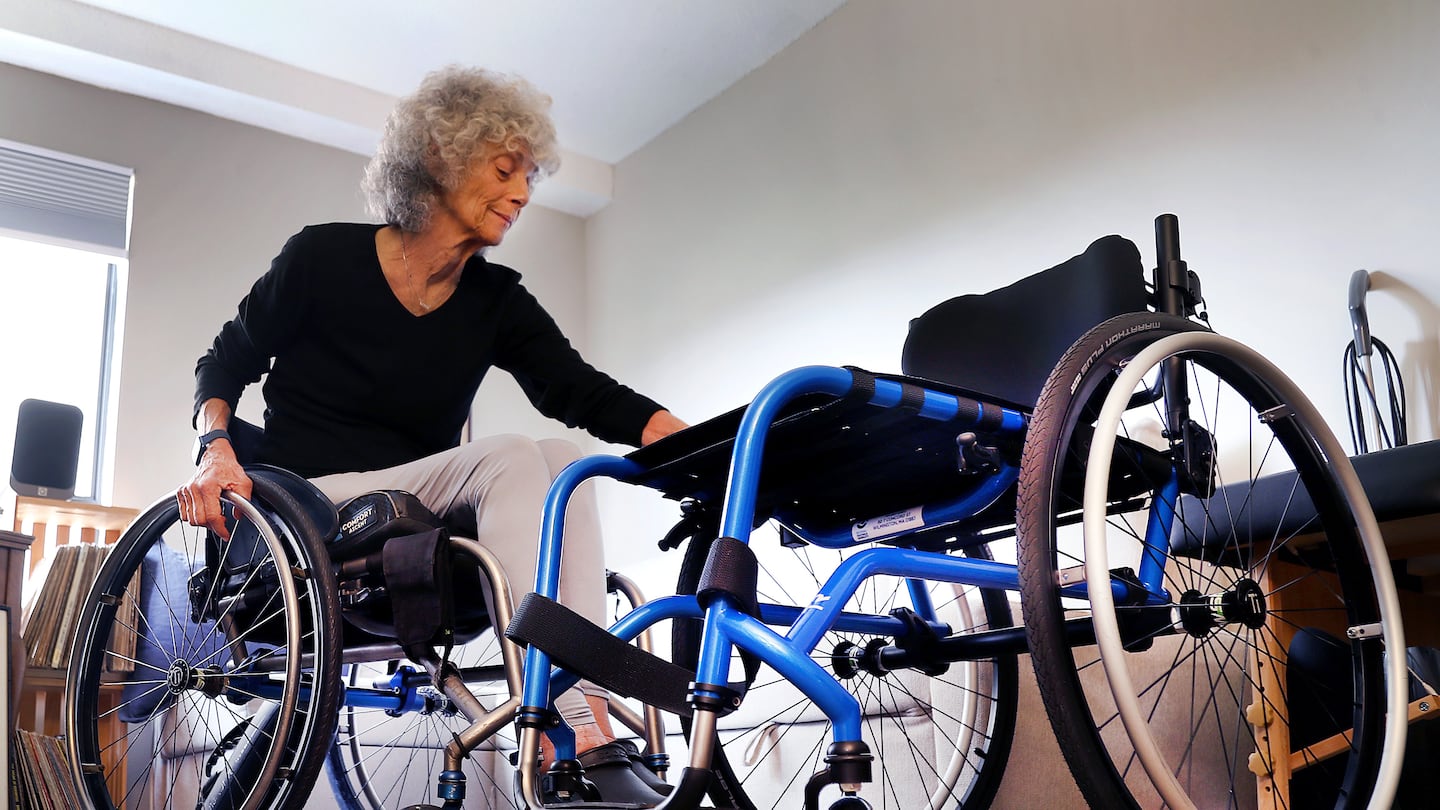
(409, 279)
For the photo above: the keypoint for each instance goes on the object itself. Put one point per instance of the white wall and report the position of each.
(902, 153)
(214, 201)
(898, 154)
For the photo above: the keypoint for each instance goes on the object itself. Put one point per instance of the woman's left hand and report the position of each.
(661, 424)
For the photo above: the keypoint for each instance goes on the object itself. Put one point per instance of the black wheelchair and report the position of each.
(1182, 520)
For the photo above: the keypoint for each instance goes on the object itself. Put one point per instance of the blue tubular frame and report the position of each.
(399, 695)
(823, 612)
(741, 489)
(727, 626)
(535, 693)
(1157, 542)
(930, 516)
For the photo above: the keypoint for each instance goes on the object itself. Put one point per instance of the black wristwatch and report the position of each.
(204, 441)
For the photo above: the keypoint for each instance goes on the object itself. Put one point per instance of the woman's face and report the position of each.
(489, 196)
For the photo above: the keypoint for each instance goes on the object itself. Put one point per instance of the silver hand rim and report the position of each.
(1097, 568)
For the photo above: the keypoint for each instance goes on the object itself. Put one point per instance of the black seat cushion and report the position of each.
(1005, 342)
(367, 521)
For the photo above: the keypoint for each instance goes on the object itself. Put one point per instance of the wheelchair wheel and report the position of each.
(228, 709)
(939, 741)
(1193, 693)
(386, 758)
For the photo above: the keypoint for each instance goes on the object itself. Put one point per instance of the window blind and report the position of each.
(50, 194)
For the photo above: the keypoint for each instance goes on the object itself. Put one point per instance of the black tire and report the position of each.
(1219, 667)
(264, 720)
(960, 764)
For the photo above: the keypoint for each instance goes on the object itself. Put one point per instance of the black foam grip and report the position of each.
(968, 411)
(730, 569)
(912, 396)
(990, 417)
(862, 386)
(581, 647)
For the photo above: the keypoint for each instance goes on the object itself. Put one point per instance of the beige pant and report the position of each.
(502, 481)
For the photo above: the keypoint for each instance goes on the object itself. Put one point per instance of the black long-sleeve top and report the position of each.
(359, 383)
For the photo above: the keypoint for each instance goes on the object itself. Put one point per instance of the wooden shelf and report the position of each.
(47, 677)
(38, 693)
(71, 523)
(13, 548)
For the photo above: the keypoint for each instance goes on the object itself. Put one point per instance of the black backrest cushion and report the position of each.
(1004, 343)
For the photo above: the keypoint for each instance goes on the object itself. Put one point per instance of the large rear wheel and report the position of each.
(226, 657)
(1251, 573)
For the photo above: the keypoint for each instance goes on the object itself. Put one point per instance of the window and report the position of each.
(64, 223)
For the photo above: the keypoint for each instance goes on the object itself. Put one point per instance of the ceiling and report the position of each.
(620, 71)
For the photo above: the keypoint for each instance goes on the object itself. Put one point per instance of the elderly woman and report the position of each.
(376, 337)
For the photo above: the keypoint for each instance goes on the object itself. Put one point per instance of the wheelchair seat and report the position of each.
(366, 524)
(355, 535)
(832, 462)
(829, 462)
(366, 521)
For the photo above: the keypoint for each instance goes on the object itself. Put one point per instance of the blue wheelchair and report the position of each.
(1181, 520)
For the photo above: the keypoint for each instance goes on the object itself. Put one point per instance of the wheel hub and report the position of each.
(435, 702)
(178, 679)
(1243, 603)
(849, 660)
(183, 676)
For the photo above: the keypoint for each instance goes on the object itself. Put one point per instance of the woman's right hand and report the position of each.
(199, 499)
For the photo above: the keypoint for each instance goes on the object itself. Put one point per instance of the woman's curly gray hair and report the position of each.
(433, 135)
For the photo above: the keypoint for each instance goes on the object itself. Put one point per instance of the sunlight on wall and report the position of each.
(52, 325)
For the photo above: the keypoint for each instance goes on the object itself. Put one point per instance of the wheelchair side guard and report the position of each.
(314, 513)
(289, 502)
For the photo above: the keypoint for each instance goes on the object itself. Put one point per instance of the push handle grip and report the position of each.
(1172, 285)
(1167, 239)
(1359, 320)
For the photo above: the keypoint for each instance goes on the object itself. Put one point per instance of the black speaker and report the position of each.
(47, 449)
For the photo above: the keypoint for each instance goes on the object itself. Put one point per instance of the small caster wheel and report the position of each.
(850, 803)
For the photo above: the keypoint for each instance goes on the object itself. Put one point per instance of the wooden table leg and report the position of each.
(1269, 712)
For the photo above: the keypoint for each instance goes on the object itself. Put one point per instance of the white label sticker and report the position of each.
(886, 525)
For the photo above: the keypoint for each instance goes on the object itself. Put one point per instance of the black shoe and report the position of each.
(565, 785)
(615, 775)
(637, 764)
